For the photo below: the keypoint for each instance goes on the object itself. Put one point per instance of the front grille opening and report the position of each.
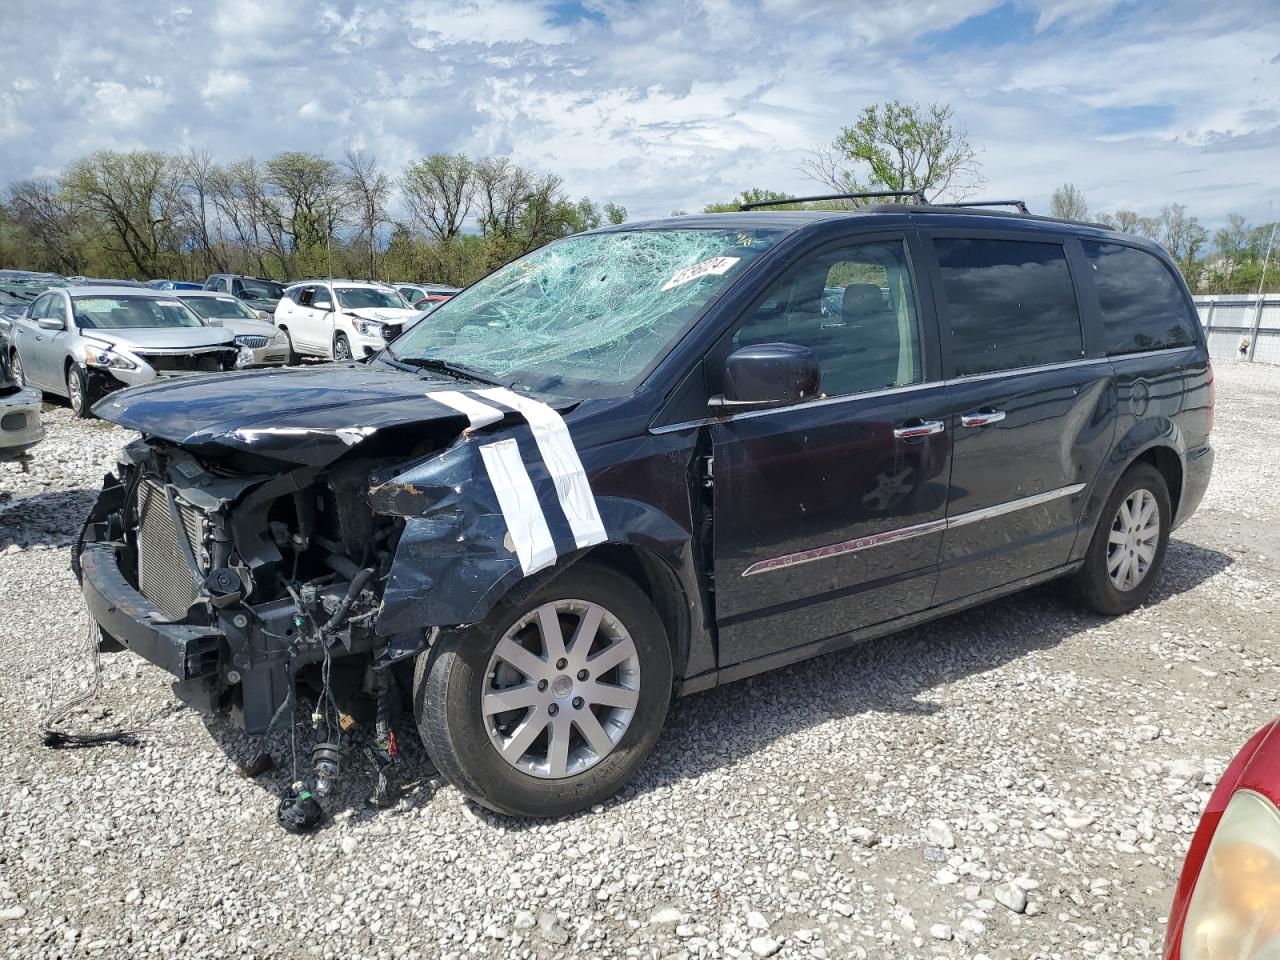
(13, 421)
(190, 362)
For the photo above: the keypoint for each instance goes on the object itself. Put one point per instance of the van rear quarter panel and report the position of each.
(1162, 400)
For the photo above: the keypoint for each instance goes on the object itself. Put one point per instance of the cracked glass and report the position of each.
(591, 314)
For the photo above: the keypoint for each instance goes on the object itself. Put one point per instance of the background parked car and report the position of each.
(262, 295)
(20, 424)
(174, 285)
(84, 342)
(1227, 903)
(422, 295)
(342, 319)
(105, 282)
(268, 345)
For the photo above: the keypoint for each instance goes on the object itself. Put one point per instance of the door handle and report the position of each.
(981, 418)
(918, 428)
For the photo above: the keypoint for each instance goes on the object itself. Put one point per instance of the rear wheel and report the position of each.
(341, 348)
(78, 393)
(550, 706)
(1128, 546)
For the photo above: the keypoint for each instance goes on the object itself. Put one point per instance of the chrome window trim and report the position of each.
(908, 533)
(872, 394)
(806, 405)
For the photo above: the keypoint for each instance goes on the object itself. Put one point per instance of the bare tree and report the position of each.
(51, 220)
(1068, 203)
(897, 146)
(438, 191)
(369, 189)
(1182, 235)
(239, 193)
(198, 174)
(502, 191)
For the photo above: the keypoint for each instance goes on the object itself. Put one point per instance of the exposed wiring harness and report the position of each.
(52, 731)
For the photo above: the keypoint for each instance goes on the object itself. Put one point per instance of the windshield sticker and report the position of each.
(714, 267)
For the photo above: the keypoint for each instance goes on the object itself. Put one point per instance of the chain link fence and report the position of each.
(1241, 326)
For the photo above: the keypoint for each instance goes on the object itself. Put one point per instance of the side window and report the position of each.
(1009, 304)
(855, 307)
(39, 308)
(322, 299)
(1141, 302)
(237, 288)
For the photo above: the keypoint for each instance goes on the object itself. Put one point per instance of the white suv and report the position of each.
(341, 319)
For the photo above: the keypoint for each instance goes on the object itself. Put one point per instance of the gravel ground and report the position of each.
(1021, 780)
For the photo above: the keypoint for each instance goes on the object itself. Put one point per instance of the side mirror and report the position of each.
(51, 323)
(321, 305)
(769, 375)
(213, 321)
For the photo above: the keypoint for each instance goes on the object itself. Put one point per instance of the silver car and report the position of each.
(84, 342)
(269, 344)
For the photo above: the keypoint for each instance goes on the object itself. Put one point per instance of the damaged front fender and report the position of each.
(455, 559)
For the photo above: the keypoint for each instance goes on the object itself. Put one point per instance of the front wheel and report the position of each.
(550, 706)
(1128, 546)
(341, 348)
(78, 392)
(292, 359)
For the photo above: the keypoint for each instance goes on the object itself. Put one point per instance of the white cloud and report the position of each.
(115, 105)
(667, 104)
(220, 84)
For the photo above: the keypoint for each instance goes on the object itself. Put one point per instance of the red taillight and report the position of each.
(1213, 396)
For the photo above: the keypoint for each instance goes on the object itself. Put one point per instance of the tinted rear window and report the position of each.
(1009, 303)
(1141, 302)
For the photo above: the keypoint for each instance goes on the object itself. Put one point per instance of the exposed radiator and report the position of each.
(164, 575)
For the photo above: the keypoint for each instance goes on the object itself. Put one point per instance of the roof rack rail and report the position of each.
(869, 195)
(1019, 205)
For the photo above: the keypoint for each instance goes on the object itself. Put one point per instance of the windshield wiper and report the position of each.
(449, 366)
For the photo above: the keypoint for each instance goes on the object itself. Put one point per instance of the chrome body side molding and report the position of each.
(907, 533)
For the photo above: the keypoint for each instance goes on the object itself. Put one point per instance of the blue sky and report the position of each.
(667, 104)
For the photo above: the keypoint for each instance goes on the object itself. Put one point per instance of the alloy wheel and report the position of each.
(555, 707)
(18, 373)
(74, 394)
(341, 349)
(1134, 537)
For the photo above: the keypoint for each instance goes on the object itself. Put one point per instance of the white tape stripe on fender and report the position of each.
(480, 414)
(562, 461)
(530, 535)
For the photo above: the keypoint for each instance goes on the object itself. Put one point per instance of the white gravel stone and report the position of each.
(932, 722)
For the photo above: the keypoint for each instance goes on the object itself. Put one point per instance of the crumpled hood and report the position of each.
(161, 338)
(384, 314)
(308, 415)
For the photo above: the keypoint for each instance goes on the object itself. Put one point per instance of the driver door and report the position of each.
(42, 350)
(828, 514)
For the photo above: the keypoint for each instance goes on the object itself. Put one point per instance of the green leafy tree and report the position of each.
(897, 146)
(751, 195)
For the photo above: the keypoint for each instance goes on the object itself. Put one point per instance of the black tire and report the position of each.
(292, 359)
(342, 345)
(79, 395)
(451, 678)
(1093, 582)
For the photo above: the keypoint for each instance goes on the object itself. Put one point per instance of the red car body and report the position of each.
(1256, 768)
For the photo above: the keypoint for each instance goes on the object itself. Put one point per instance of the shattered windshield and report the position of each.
(594, 311)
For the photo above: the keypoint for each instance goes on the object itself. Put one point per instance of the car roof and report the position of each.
(200, 293)
(887, 214)
(113, 290)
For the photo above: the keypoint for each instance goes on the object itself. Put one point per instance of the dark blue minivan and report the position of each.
(650, 459)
